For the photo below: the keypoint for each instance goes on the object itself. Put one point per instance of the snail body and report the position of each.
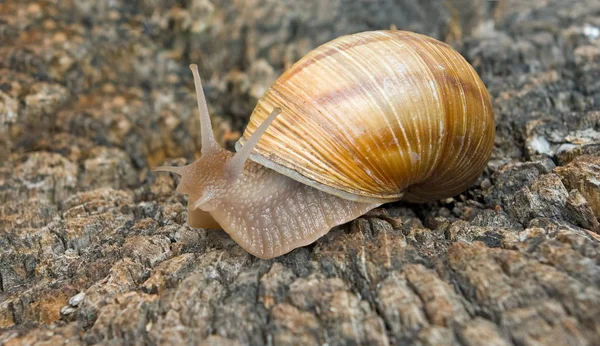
(360, 121)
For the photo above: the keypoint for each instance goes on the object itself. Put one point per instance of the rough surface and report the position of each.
(93, 246)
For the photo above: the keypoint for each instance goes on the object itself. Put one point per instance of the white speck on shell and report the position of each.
(414, 157)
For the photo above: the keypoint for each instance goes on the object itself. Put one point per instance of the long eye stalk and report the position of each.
(208, 138)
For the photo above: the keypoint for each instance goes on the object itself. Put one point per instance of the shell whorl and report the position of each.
(376, 116)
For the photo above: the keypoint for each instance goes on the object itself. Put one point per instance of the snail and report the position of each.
(362, 120)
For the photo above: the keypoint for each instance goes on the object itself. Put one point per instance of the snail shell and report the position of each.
(362, 120)
(377, 116)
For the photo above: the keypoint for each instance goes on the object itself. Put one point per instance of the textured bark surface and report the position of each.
(94, 247)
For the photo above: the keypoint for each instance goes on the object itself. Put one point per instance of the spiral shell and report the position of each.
(378, 116)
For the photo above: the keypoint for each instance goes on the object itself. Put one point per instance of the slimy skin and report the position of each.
(266, 213)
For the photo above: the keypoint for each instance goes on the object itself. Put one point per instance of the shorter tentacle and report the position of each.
(236, 164)
(180, 170)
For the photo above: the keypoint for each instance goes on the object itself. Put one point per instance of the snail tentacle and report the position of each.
(171, 169)
(236, 164)
(208, 138)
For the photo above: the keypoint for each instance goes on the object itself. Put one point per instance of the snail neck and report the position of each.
(265, 212)
(269, 214)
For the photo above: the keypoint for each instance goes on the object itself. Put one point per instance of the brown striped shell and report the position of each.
(378, 116)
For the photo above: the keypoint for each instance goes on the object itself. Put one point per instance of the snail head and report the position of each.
(211, 177)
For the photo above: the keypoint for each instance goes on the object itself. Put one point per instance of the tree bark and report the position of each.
(94, 247)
